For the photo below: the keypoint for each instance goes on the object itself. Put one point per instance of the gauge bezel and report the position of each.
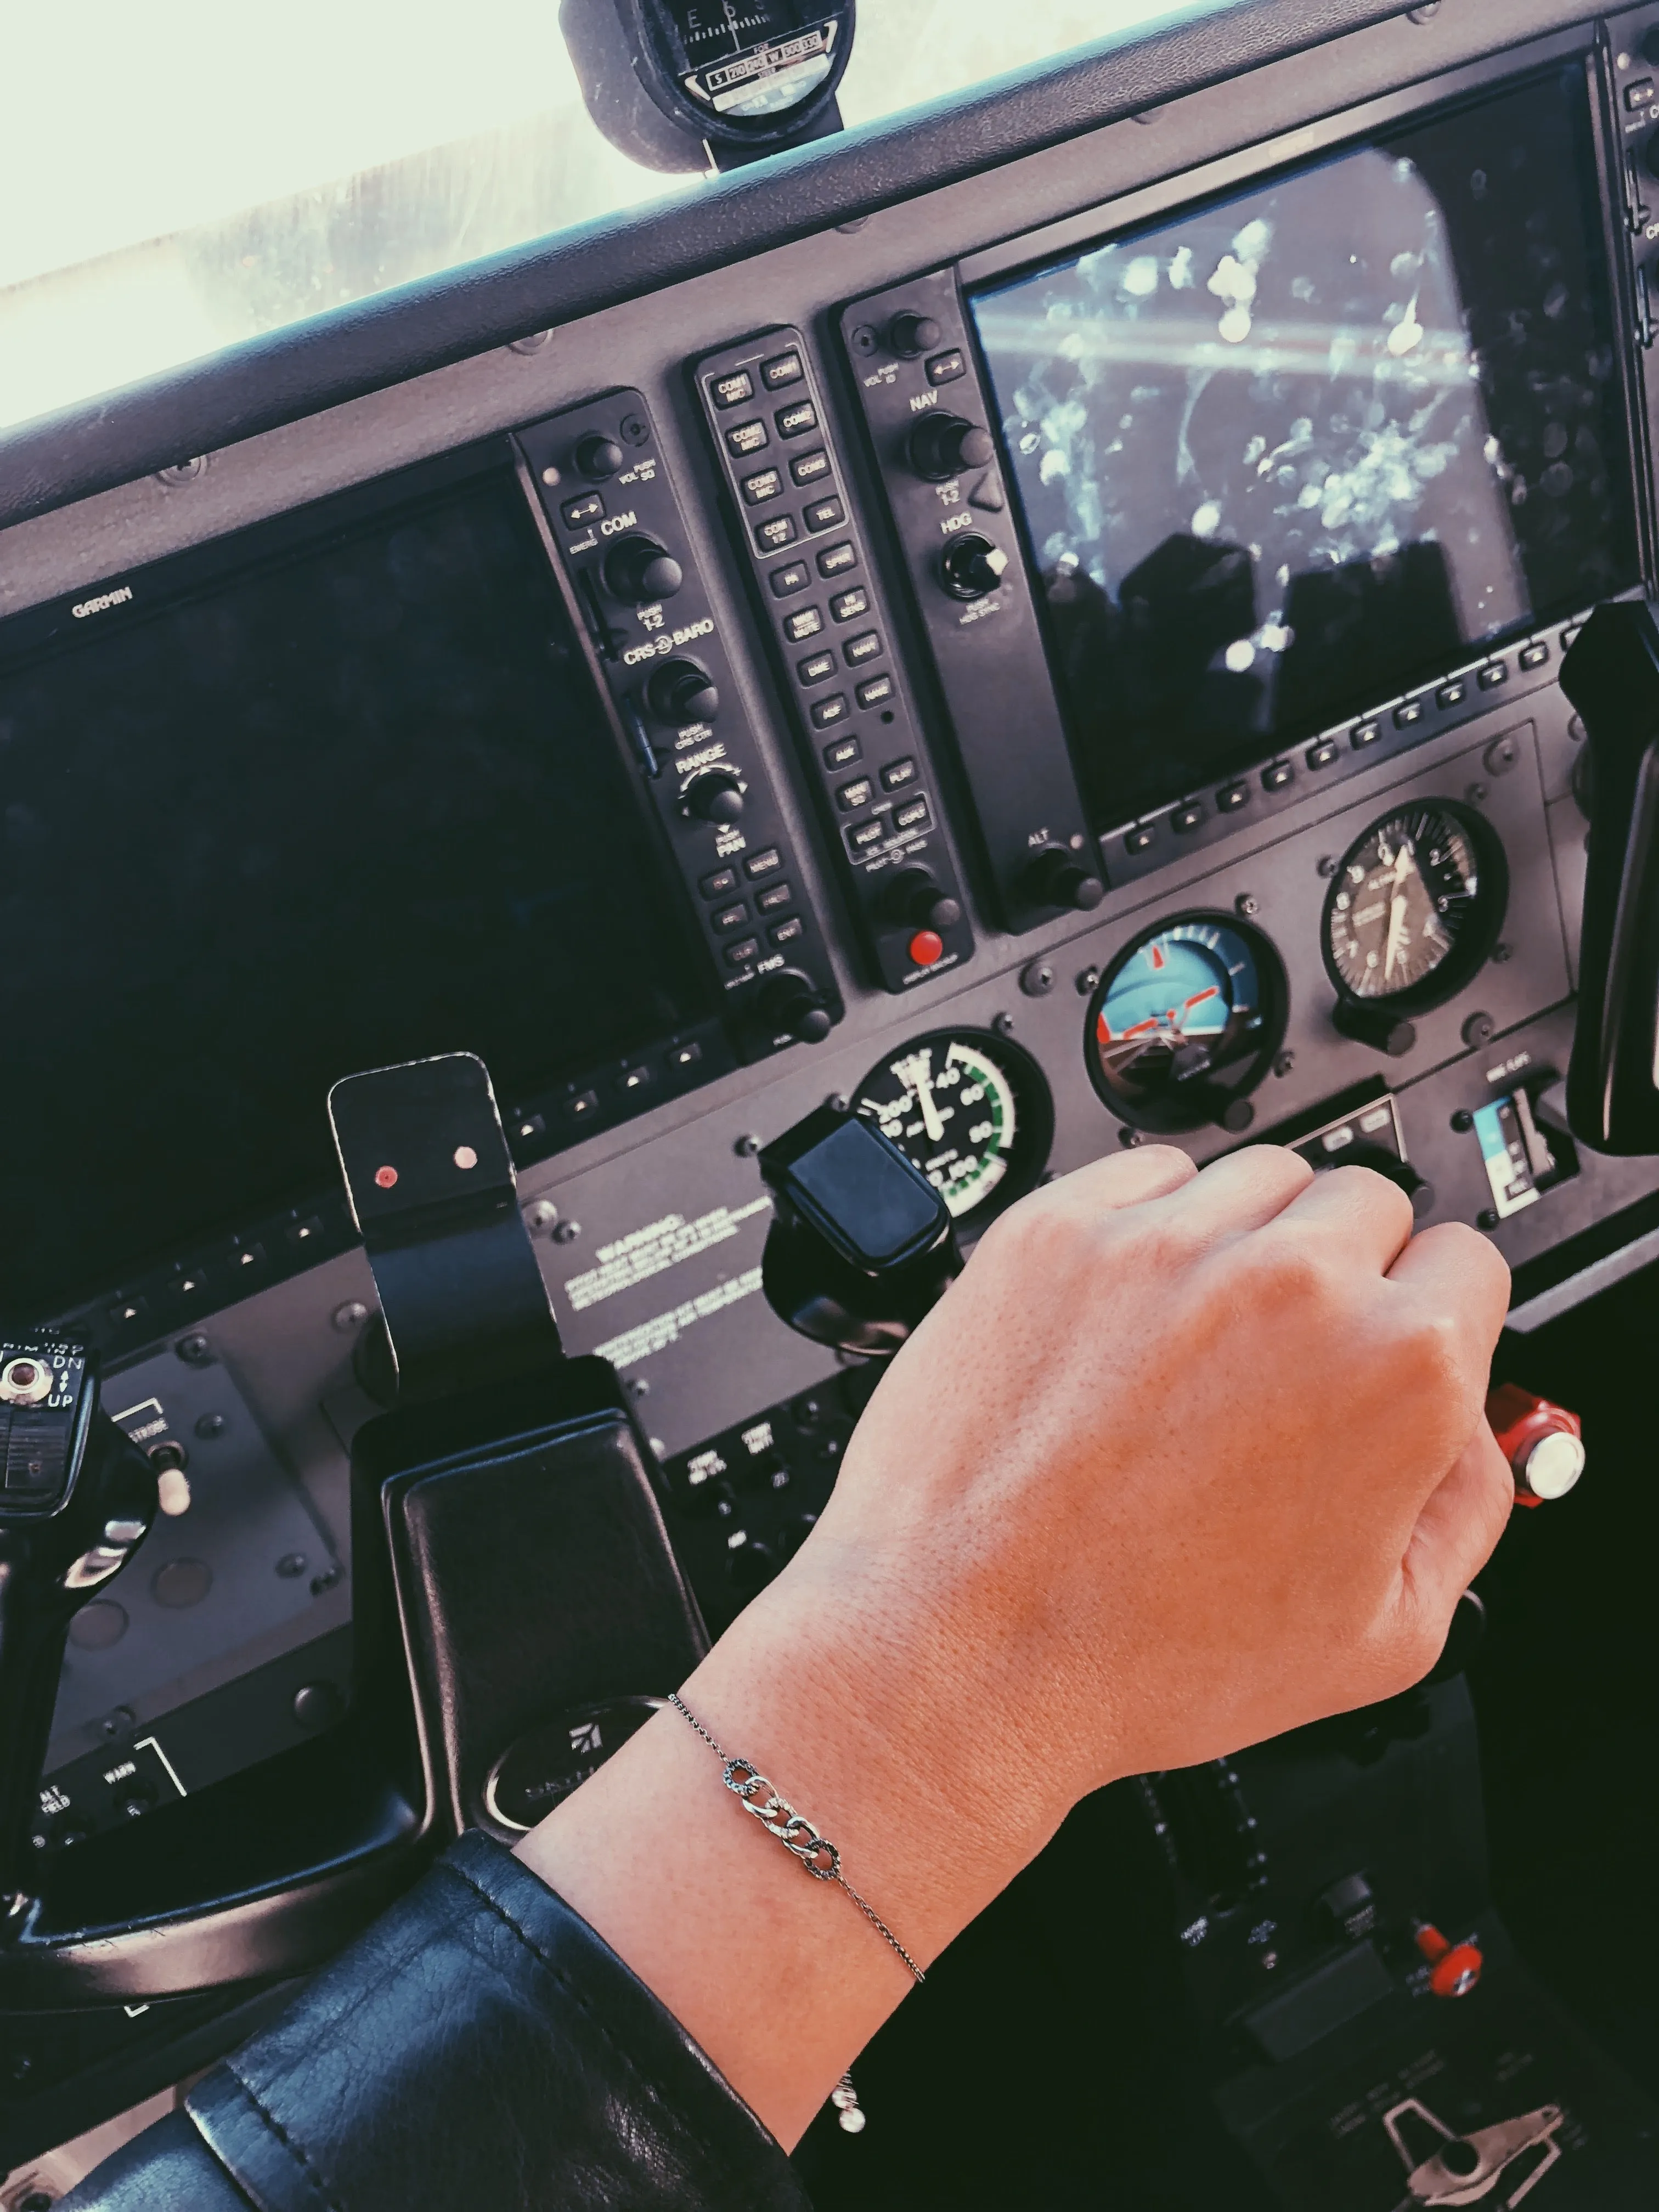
(1474, 946)
(1033, 1112)
(1157, 1114)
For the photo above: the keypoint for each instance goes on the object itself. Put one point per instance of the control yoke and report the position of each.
(1611, 674)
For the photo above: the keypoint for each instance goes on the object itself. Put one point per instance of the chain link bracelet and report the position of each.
(797, 1834)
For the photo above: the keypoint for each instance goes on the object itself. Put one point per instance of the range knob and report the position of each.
(639, 571)
(1373, 1022)
(970, 566)
(942, 445)
(916, 900)
(716, 795)
(1056, 877)
(909, 334)
(790, 1005)
(680, 691)
(598, 456)
(1542, 1442)
(1383, 1161)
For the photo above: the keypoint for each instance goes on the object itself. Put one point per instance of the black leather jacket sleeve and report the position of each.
(479, 2045)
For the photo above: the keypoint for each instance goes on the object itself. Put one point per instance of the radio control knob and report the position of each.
(598, 456)
(916, 900)
(1381, 1161)
(942, 445)
(638, 571)
(970, 566)
(1371, 1021)
(681, 691)
(909, 334)
(790, 1005)
(1057, 877)
(716, 795)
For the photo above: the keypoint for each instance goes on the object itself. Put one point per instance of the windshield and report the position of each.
(185, 175)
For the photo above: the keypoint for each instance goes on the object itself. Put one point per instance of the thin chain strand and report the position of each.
(835, 1873)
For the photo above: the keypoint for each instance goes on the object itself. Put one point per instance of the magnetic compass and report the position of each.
(1186, 1021)
(972, 1110)
(1415, 905)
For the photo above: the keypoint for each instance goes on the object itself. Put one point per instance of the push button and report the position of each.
(852, 796)
(825, 513)
(723, 881)
(913, 817)
(1532, 656)
(847, 605)
(817, 668)
(1495, 673)
(795, 421)
(1235, 795)
(581, 1106)
(925, 948)
(864, 646)
(898, 774)
(1139, 840)
(836, 560)
(1453, 693)
(1185, 819)
(740, 954)
(746, 438)
(1405, 717)
(782, 369)
(732, 917)
(786, 932)
(827, 713)
(732, 391)
(866, 833)
(808, 468)
(588, 507)
(946, 368)
(792, 577)
(770, 900)
(1368, 733)
(1323, 754)
(1639, 95)
(1276, 777)
(772, 536)
(804, 622)
(763, 864)
(764, 484)
(633, 1080)
(874, 690)
(842, 753)
(682, 1056)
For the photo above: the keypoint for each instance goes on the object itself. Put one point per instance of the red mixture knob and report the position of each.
(1542, 1442)
(1453, 1968)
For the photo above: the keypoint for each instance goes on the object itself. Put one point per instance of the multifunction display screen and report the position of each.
(1289, 452)
(354, 804)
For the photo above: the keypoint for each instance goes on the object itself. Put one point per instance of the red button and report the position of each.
(926, 947)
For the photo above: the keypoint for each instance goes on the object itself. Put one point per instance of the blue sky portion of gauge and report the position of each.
(1184, 983)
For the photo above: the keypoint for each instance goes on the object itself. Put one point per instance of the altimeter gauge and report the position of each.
(1415, 906)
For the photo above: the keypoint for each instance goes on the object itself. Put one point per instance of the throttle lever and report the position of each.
(77, 1498)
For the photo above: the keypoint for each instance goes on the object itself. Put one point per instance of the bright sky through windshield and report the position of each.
(181, 175)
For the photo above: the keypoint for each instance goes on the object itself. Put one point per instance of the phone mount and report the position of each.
(511, 1577)
(678, 85)
(1611, 675)
(861, 1246)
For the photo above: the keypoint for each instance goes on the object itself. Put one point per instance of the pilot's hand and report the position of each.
(1182, 1461)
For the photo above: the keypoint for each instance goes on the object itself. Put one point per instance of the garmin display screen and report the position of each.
(1285, 454)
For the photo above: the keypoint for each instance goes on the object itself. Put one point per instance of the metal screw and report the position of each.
(326, 1580)
(117, 1721)
(1478, 1029)
(1036, 978)
(351, 1316)
(854, 224)
(1088, 981)
(195, 1351)
(638, 1387)
(209, 1425)
(540, 1213)
(747, 1146)
(182, 472)
(1247, 904)
(1485, 1218)
(1576, 729)
(1501, 756)
(291, 1565)
(1425, 13)
(1003, 1024)
(1501, 952)
(835, 1103)
(1127, 1136)
(1476, 793)
(865, 340)
(566, 1233)
(634, 430)
(1284, 1063)
(533, 343)
(1462, 1120)
(1329, 865)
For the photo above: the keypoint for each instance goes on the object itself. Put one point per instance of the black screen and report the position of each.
(353, 807)
(1289, 452)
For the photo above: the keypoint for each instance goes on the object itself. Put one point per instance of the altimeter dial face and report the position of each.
(1415, 906)
(971, 1112)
